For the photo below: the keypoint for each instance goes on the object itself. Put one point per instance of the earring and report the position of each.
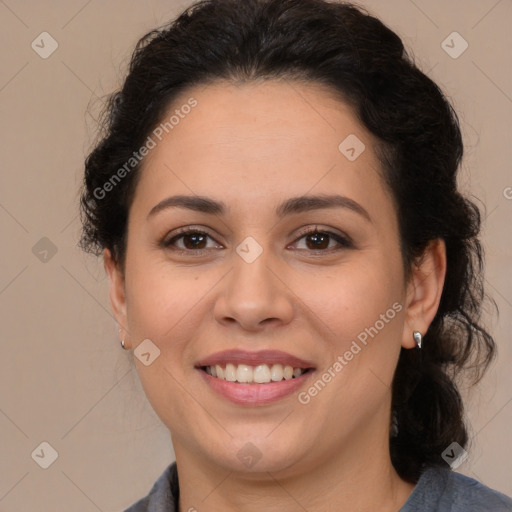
(122, 341)
(417, 338)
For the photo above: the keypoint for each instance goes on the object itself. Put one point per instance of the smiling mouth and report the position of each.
(259, 374)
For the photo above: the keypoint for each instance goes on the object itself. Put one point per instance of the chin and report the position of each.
(257, 455)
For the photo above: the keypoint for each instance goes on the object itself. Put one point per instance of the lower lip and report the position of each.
(255, 394)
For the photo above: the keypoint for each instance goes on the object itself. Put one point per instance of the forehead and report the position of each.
(261, 141)
(264, 119)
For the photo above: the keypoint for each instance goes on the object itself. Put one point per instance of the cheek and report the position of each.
(358, 307)
(155, 301)
(161, 306)
(351, 299)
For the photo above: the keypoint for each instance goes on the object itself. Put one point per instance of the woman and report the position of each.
(291, 262)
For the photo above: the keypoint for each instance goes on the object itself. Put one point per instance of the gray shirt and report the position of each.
(439, 489)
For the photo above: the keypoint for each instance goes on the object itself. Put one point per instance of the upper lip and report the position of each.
(254, 358)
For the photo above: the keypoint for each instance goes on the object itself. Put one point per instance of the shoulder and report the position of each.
(163, 496)
(441, 489)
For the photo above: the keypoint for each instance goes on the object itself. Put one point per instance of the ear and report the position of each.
(424, 291)
(117, 294)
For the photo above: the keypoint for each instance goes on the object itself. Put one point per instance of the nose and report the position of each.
(253, 296)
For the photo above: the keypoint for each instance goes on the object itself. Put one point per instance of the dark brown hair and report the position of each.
(420, 147)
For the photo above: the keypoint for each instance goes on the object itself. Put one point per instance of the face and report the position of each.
(265, 279)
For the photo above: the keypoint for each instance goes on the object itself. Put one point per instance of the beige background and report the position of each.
(63, 376)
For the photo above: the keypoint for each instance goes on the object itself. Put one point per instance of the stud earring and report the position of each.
(417, 338)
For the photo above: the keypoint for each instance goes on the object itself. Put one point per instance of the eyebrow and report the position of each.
(293, 205)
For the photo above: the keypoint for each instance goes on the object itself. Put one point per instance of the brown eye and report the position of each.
(194, 240)
(190, 240)
(317, 240)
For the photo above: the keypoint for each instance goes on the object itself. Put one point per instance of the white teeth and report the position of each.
(244, 373)
(219, 371)
(230, 373)
(261, 374)
(288, 372)
(277, 372)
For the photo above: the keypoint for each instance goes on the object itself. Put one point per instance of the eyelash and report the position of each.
(343, 241)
